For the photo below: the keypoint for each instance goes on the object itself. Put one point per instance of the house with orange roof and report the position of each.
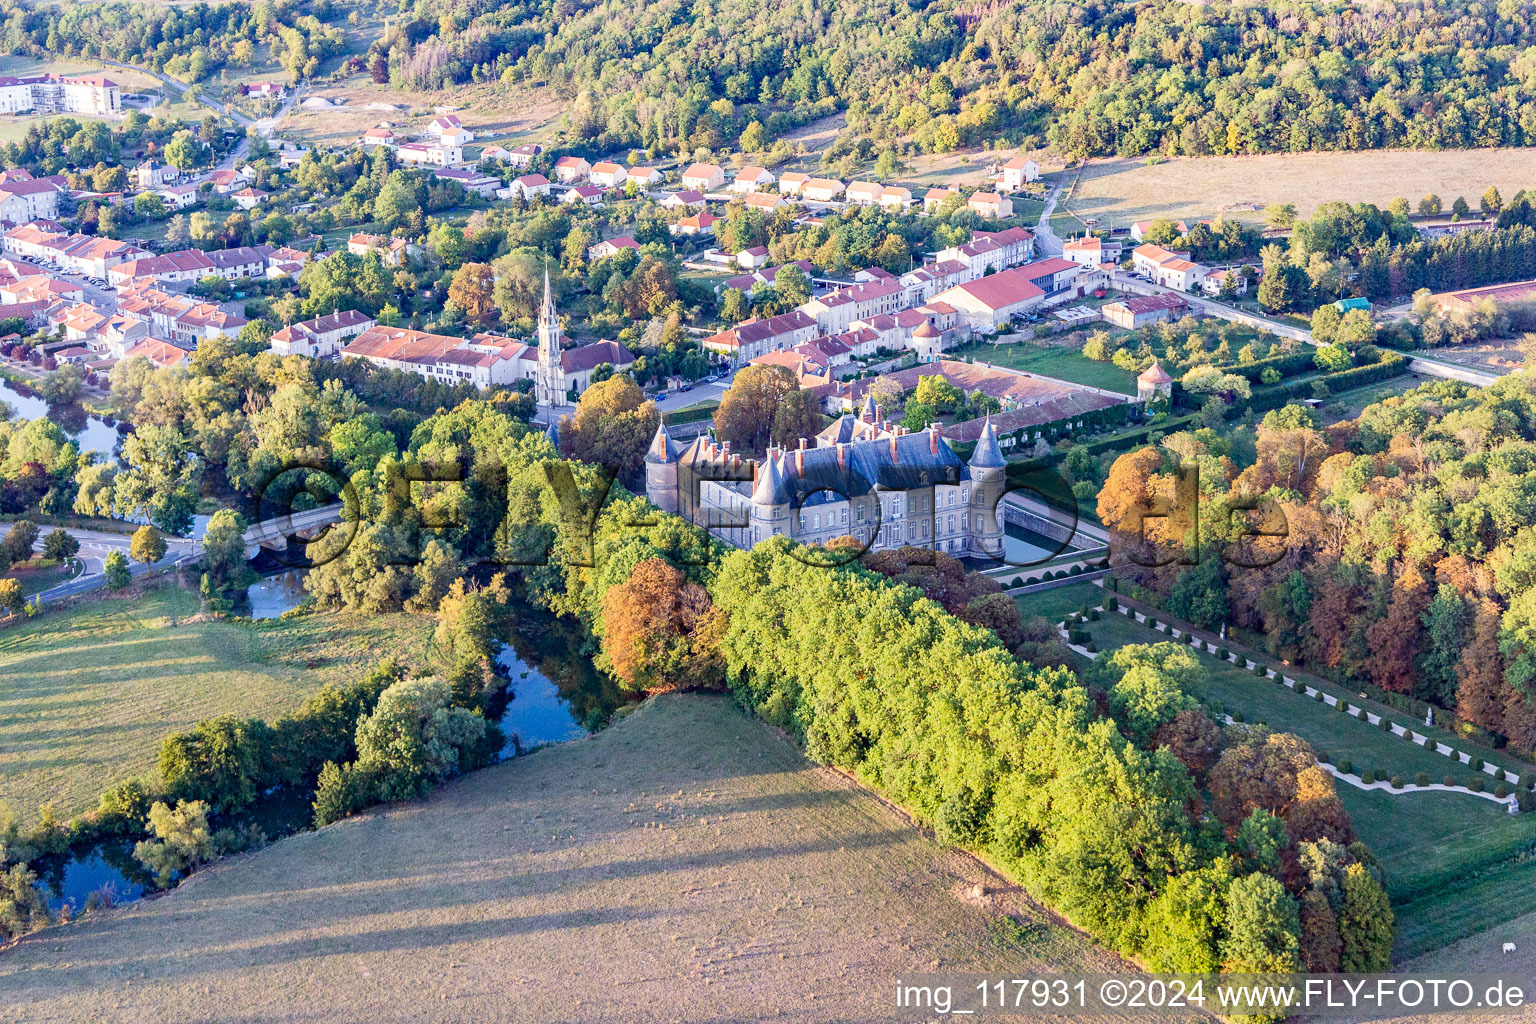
(571, 169)
(607, 174)
(934, 198)
(162, 353)
(1166, 267)
(697, 224)
(791, 182)
(990, 204)
(752, 178)
(704, 177)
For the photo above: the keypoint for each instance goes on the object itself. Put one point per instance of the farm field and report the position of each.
(728, 869)
(1119, 191)
(1061, 362)
(1454, 861)
(86, 695)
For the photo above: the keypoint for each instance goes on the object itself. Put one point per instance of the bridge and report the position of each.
(273, 534)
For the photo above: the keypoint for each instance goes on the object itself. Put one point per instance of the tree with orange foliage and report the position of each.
(660, 632)
(471, 290)
(1393, 640)
(1128, 494)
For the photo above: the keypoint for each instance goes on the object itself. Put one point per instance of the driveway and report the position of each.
(1045, 238)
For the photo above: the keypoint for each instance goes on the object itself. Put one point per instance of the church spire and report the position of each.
(547, 310)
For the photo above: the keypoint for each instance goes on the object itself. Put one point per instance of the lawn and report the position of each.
(1118, 191)
(1456, 864)
(1062, 362)
(1057, 603)
(39, 575)
(740, 881)
(87, 694)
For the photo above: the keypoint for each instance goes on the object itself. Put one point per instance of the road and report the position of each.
(1045, 238)
(96, 545)
(180, 87)
(1123, 281)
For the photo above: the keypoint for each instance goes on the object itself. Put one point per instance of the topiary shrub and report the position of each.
(1111, 603)
(1525, 801)
(1345, 765)
(1477, 764)
(1091, 648)
(1397, 783)
(1342, 705)
(1076, 570)
(1450, 780)
(1385, 724)
(1361, 714)
(1322, 756)
(1223, 654)
(1094, 615)
(1475, 785)
(1421, 778)
(1318, 696)
(1018, 581)
(1367, 776)
(1258, 670)
(1237, 716)
(1501, 790)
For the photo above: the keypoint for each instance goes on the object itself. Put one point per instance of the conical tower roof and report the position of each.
(662, 449)
(988, 455)
(1154, 374)
(771, 488)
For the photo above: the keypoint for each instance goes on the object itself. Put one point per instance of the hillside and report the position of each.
(684, 860)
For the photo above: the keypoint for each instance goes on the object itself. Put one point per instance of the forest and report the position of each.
(1092, 78)
(1408, 537)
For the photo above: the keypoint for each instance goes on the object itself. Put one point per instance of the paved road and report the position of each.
(1045, 238)
(1125, 282)
(180, 87)
(95, 545)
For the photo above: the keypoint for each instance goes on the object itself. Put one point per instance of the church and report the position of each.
(884, 486)
(557, 372)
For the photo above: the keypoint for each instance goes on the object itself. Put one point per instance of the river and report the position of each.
(90, 431)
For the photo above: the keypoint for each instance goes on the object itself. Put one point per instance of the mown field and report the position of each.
(686, 864)
(1061, 362)
(1456, 864)
(86, 695)
(1120, 191)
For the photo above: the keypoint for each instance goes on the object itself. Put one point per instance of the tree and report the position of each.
(1263, 927)
(11, 597)
(1492, 202)
(182, 840)
(1126, 495)
(149, 205)
(1365, 923)
(1399, 207)
(1356, 328)
(219, 761)
(17, 545)
(472, 291)
(792, 286)
(147, 545)
(936, 391)
(115, 565)
(613, 425)
(413, 739)
(748, 410)
(224, 550)
(1280, 216)
(659, 631)
(1429, 206)
(64, 385)
(183, 152)
(60, 544)
(1460, 208)
(1325, 324)
(753, 138)
(159, 479)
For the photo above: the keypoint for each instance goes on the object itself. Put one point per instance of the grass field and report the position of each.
(686, 864)
(1456, 864)
(39, 576)
(1117, 192)
(1058, 602)
(86, 695)
(1062, 363)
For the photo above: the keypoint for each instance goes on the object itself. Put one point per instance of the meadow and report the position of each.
(1117, 192)
(684, 860)
(87, 694)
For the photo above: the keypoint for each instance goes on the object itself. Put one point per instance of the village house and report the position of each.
(990, 204)
(1140, 228)
(571, 169)
(264, 90)
(752, 338)
(863, 193)
(179, 197)
(821, 190)
(192, 265)
(991, 250)
(162, 353)
(750, 179)
(475, 183)
(481, 361)
(249, 198)
(33, 199)
(1167, 268)
(607, 174)
(429, 154)
(379, 135)
(791, 182)
(697, 224)
(391, 250)
(687, 199)
(1016, 172)
(611, 247)
(322, 337)
(494, 154)
(643, 177)
(1216, 281)
(752, 258)
(524, 155)
(894, 197)
(933, 199)
(450, 131)
(591, 195)
(767, 202)
(704, 177)
(152, 174)
(529, 185)
(53, 93)
(834, 311)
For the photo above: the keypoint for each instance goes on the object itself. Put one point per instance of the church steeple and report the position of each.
(549, 380)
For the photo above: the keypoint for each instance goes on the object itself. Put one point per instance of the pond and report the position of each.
(108, 869)
(554, 692)
(91, 432)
